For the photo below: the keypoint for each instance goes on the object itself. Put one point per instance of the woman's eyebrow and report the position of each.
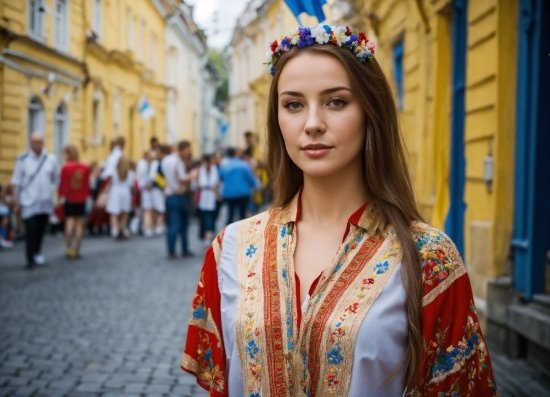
(324, 92)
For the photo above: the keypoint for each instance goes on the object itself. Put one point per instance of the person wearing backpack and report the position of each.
(34, 180)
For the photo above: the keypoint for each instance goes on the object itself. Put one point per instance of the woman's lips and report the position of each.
(316, 151)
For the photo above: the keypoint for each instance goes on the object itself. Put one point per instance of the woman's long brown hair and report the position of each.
(123, 167)
(386, 177)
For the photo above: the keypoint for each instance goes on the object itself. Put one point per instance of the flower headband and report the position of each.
(303, 36)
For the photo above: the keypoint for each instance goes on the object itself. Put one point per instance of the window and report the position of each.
(35, 120)
(153, 53)
(61, 131)
(130, 32)
(97, 116)
(398, 72)
(36, 18)
(97, 20)
(141, 39)
(61, 24)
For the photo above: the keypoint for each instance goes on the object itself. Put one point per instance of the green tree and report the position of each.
(217, 60)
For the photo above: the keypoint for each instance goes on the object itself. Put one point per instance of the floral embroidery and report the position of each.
(381, 268)
(251, 250)
(207, 371)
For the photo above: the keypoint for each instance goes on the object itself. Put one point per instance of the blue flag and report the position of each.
(310, 7)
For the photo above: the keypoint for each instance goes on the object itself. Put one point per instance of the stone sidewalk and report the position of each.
(110, 324)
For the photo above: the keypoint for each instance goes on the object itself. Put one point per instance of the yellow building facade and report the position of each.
(414, 46)
(78, 72)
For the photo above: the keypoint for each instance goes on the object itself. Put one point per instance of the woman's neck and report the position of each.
(330, 201)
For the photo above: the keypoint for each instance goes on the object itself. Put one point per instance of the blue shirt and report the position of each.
(237, 178)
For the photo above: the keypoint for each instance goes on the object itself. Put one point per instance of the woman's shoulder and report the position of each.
(440, 260)
(246, 230)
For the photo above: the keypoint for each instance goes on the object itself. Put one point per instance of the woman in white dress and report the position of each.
(119, 201)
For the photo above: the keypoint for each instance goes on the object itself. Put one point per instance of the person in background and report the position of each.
(143, 175)
(158, 183)
(177, 184)
(135, 213)
(119, 201)
(217, 160)
(6, 237)
(155, 146)
(238, 185)
(74, 190)
(117, 147)
(35, 178)
(98, 218)
(250, 141)
(208, 183)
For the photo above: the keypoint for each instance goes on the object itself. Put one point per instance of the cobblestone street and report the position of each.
(110, 324)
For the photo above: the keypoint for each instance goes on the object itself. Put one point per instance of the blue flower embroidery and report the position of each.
(381, 268)
(251, 250)
(252, 349)
(199, 313)
(255, 395)
(284, 273)
(208, 355)
(334, 356)
(283, 231)
(338, 267)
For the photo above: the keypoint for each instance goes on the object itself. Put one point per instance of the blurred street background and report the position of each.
(148, 80)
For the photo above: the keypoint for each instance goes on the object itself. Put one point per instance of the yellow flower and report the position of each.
(436, 268)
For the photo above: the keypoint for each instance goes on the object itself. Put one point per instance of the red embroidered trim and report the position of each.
(349, 274)
(276, 365)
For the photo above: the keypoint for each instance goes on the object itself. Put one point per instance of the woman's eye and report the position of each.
(337, 103)
(293, 105)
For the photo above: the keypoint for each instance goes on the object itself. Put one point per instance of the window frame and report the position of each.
(97, 18)
(63, 22)
(37, 11)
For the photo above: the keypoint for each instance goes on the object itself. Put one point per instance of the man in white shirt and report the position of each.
(34, 180)
(177, 184)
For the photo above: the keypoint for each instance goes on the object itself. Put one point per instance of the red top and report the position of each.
(75, 182)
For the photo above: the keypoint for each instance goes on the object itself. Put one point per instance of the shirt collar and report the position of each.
(366, 217)
(37, 156)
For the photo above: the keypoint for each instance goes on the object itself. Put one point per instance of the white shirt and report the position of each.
(36, 195)
(173, 170)
(112, 161)
(142, 173)
(208, 183)
(380, 343)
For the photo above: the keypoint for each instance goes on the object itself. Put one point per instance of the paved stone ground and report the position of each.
(110, 324)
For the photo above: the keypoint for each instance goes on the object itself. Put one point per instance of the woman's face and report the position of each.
(320, 118)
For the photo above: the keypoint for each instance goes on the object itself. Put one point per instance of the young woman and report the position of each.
(74, 189)
(119, 201)
(339, 289)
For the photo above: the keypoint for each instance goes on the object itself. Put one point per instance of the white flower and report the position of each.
(320, 34)
(268, 56)
(340, 36)
(360, 52)
(294, 36)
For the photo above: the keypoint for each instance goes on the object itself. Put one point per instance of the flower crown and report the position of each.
(304, 36)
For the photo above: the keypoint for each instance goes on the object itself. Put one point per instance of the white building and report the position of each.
(186, 59)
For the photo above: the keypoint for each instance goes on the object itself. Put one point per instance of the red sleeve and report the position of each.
(456, 360)
(204, 354)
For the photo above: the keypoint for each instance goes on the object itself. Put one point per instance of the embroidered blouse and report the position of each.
(249, 335)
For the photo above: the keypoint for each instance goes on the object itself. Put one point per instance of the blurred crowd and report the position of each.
(159, 195)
